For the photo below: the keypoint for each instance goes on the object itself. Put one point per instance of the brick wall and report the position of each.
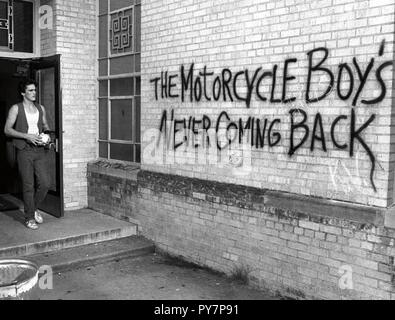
(240, 35)
(48, 34)
(292, 245)
(75, 28)
(310, 224)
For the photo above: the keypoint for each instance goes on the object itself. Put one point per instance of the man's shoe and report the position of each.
(31, 224)
(38, 217)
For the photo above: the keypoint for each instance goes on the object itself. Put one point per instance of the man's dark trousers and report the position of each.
(33, 169)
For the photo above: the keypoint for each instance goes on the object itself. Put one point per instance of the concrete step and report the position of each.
(93, 254)
(77, 228)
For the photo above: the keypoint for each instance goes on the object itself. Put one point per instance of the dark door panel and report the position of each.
(46, 71)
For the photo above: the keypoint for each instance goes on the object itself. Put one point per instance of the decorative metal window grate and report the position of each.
(121, 33)
(3, 24)
(6, 24)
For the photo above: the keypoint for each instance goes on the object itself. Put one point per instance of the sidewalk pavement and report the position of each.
(149, 277)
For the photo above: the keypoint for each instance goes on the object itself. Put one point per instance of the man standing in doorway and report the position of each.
(26, 124)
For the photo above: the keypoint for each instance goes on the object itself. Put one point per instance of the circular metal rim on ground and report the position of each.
(14, 290)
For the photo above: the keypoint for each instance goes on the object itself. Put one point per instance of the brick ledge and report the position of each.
(282, 204)
(114, 168)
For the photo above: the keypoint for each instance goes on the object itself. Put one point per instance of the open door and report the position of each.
(46, 72)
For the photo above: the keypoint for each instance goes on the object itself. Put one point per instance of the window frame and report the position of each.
(109, 55)
(7, 53)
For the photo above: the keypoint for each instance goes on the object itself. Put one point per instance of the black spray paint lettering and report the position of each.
(344, 67)
(355, 135)
(320, 68)
(347, 82)
(379, 78)
(195, 86)
(296, 126)
(252, 128)
(177, 132)
(345, 70)
(265, 132)
(318, 125)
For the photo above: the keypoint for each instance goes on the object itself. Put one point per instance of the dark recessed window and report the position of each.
(16, 25)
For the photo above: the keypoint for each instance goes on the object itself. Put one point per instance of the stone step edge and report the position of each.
(91, 260)
(67, 242)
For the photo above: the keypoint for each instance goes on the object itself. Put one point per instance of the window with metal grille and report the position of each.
(16, 25)
(119, 80)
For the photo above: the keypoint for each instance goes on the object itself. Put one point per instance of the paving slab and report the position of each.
(149, 277)
(77, 228)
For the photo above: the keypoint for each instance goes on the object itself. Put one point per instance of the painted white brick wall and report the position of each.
(77, 43)
(48, 35)
(243, 35)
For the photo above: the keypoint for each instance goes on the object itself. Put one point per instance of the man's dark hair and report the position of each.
(23, 85)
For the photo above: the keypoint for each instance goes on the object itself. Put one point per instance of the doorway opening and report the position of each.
(46, 73)
(9, 181)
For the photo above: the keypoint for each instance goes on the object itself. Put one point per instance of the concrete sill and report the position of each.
(290, 205)
(113, 168)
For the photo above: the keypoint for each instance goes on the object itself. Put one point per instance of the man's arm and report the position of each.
(12, 133)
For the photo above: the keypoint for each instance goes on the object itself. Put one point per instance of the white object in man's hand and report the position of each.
(45, 138)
